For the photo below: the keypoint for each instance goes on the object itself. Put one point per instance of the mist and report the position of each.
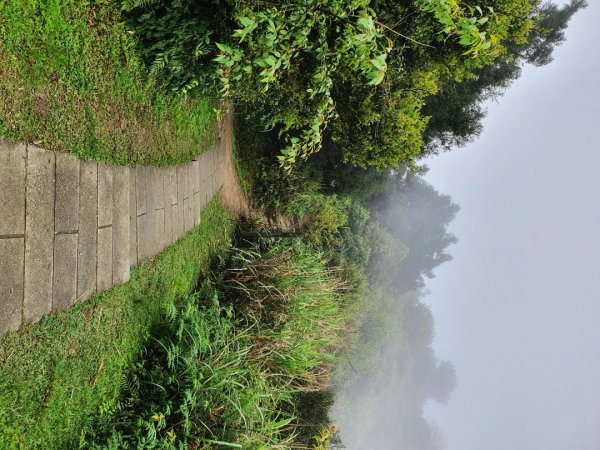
(393, 371)
(517, 309)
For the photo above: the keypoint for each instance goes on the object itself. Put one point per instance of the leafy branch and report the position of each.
(308, 46)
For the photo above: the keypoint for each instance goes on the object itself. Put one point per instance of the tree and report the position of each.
(416, 214)
(456, 111)
(442, 382)
(358, 70)
(549, 32)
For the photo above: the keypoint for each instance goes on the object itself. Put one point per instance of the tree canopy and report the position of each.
(385, 81)
(456, 110)
(361, 70)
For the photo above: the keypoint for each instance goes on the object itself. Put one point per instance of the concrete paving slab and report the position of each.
(158, 185)
(159, 207)
(195, 167)
(66, 209)
(149, 241)
(173, 185)
(186, 185)
(64, 289)
(196, 208)
(178, 221)
(189, 167)
(104, 269)
(187, 215)
(121, 235)
(204, 170)
(88, 226)
(141, 175)
(170, 201)
(159, 231)
(39, 234)
(168, 240)
(133, 250)
(12, 188)
(143, 241)
(12, 259)
(105, 195)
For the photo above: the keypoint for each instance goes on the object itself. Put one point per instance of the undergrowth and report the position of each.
(230, 365)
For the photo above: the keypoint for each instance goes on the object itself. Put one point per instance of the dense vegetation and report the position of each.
(228, 364)
(358, 74)
(393, 346)
(336, 102)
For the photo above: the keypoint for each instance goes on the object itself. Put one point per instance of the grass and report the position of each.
(196, 387)
(243, 175)
(61, 376)
(71, 80)
(237, 363)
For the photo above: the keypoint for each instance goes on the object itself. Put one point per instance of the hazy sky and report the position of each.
(518, 309)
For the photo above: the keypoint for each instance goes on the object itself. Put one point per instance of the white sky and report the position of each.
(518, 309)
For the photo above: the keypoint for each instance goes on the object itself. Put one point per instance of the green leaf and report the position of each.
(224, 48)
(379, 62)
(223, 443)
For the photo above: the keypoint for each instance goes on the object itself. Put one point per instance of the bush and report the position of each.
(196, 384)
(176, 39)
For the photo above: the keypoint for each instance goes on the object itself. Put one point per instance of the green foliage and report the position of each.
(303, 52)
(365, 237)
(324, 214)
(70, 370)
(310, 40)
(275, 190)
(227, 365)
(175, 39)
(457, 109)
(465, 27)
(70, 80)
(381, 131)
(197, 386)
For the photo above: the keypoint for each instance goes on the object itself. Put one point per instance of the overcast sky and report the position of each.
(518, 309)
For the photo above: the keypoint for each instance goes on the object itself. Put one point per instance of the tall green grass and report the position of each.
(228, 366)
(298, 304)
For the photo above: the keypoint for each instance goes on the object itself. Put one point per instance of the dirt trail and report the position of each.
(233, 196)
(231, 192)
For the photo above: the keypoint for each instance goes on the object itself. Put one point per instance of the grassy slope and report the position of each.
(70, 80)
(56, 376)
(226, 365)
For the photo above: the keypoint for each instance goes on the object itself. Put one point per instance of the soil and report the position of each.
(233, 196)
(231, 192)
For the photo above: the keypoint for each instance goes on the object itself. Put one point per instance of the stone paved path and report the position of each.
(72, 228)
